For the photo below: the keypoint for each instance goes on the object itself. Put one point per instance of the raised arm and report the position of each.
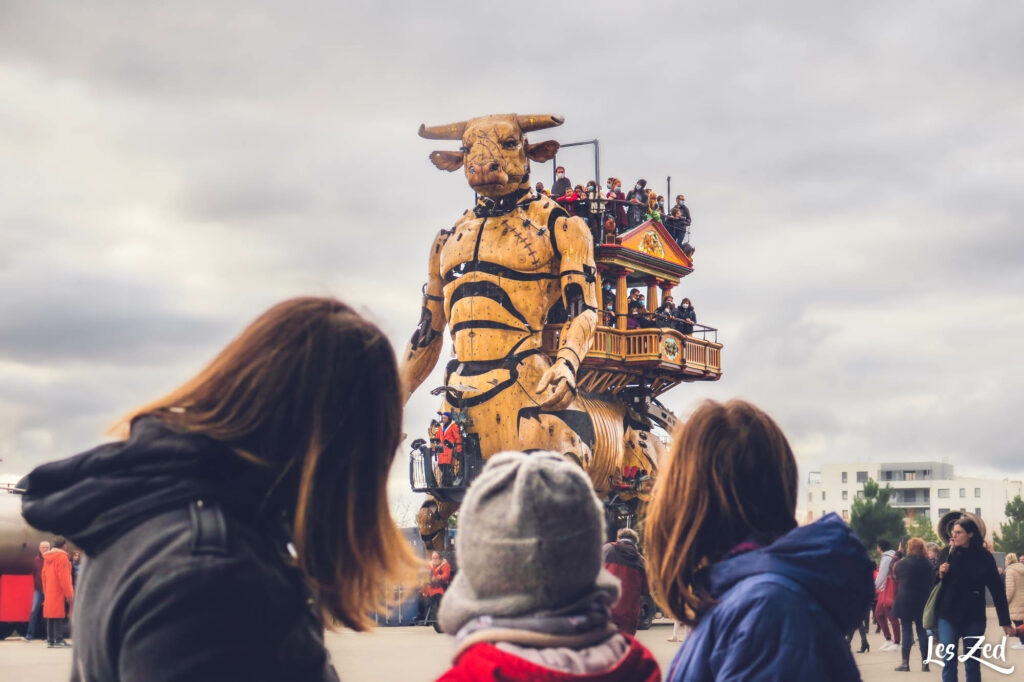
(577, 274)
(425, 345)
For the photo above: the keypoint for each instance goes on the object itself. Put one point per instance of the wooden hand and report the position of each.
(561, 381)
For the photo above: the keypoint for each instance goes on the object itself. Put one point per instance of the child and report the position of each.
(531, 601)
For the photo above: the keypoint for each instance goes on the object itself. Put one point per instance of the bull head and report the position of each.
(495, 153)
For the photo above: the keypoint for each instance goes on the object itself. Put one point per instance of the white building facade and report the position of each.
(929, 488)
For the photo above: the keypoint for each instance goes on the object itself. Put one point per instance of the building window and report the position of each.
(963, 492)
(977, 511)
(823, 495)
(860, 494)
(862, 477)
(810, 496)
(846, 515)
(844, 477)
(846, 494)
(943, 492)
(977, 492)
(943, 512)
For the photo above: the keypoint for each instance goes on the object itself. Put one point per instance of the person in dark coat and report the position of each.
(686, 315)
(35, 620)
(616, 205)
(768, 600)
(637, 198)
(562, 183)
(915, 579)
(218, 533)
(623, 560)
(960, 606)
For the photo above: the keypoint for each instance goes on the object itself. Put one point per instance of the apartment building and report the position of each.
(929, 488)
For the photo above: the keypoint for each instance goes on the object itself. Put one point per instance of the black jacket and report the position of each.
(962, 598)
(915, 579)
(686, 314)
(184, 577)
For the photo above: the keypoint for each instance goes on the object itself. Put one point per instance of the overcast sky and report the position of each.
(854, 171)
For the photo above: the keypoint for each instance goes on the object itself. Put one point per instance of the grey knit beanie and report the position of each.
(530, 535)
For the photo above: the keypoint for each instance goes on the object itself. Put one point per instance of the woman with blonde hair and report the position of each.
(1015, 595)
(240, 510)
(767, 599)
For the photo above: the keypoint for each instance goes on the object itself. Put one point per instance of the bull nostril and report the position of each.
(494, 167)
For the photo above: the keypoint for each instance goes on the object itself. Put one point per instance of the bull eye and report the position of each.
(510, 144)
(464, 149)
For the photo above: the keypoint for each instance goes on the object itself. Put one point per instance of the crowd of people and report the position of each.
(245, 508)
(627, 210)
(668, 315)
(953, 580)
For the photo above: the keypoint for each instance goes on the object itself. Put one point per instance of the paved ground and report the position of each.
(413, 654)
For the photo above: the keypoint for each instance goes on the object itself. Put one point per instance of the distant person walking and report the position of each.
(885, 592)
(58, 592)
(768, 600)
(960, 608)
(36, 625)
(916, 578)
(1015, 594)
(623, 560)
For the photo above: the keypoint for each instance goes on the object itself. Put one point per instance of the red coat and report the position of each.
(56, 583)
(622, 560)
(451, 443)
(440, 576)
(487, 662)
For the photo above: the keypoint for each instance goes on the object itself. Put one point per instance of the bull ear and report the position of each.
(542, 151)
(448, 161)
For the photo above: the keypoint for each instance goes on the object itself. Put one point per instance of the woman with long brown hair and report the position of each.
(766, 599)
(240, 510)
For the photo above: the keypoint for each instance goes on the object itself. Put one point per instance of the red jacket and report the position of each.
(451, 443)
(56, 583)
(622, 560)
(487, 662)
(440, 576)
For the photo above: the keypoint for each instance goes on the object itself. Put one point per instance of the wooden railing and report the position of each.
(667, 347)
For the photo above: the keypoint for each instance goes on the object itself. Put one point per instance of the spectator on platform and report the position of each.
(675, 226)
(916, 578)
(617, 207)
(637, 198)
(635, 311)
(623, 560)
(960, 606)
(531, 600)
(541, 192)
(684, 212)
(58, 593)
(666, 311)
(580, 205)
(562, 183)
(607, 293)
(243, 507)
(568, 201)
(769, 600)
(634, 295)
(609, 315)
(595, 199)
(687, 317)
(1015, 595)
(35, 619)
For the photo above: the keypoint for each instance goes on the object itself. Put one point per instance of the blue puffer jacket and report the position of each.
(783, 610)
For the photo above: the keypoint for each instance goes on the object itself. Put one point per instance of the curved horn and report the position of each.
(531, 122)
(448, 132)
